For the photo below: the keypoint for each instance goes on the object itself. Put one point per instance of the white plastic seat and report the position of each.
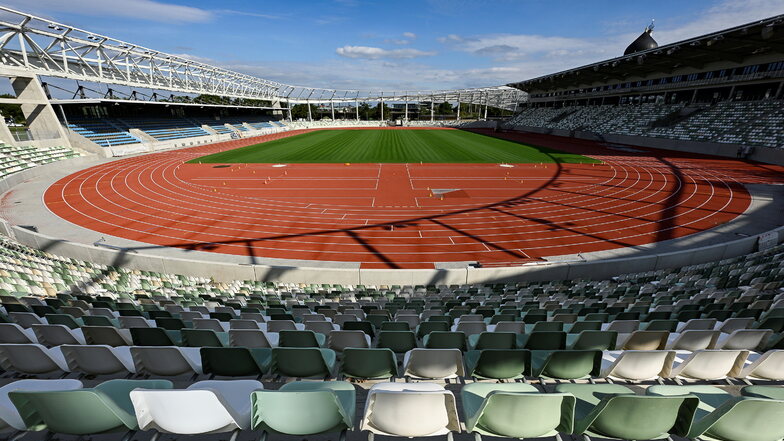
(733, 324)
(98, 359)
(636, 365)
(470, 328)
(748, 339)
(210, 324)
(25, 319)
(433, 363)
(693, 340)
(322, 327)
(56, 335)
(31, 359)
(516, 327)
(166, 360)
(250, 338)
(707, 364)
(204, 407)
(410, 410)
(697, 325)
(767, 366)
(340, 340)
(9, 415)
(13, 333)
(135, 322)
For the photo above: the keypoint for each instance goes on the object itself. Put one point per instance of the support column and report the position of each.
(332, 107)
(432, 109)
(458, 107)
(38, 111)
(381, 106)
(406, 114)
(356, 107)
(778, 92)
(487, 99)
(310, 114)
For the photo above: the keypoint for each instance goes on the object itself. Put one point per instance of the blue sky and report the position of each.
(400, 45)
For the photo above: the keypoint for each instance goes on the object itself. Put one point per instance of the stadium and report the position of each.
(192, 250)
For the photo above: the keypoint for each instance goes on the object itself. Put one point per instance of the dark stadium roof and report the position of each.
(644, 42)
(734, 44)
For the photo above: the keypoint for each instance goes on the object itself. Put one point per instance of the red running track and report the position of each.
(409, 215)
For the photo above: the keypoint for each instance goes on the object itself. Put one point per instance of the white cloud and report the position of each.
(410, 35)
(137, 9)
(374, 53)
(726, 14)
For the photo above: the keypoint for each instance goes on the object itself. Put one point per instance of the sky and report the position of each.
(397, 45)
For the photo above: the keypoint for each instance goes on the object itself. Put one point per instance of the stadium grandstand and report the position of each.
(193, 252)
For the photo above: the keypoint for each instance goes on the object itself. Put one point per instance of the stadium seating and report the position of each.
(14, 159)
(686, 328)
(755, 123)
(103, 132)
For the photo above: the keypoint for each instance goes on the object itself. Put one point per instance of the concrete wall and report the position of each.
(597, 269)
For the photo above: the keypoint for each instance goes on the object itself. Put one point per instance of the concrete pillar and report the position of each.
(39, 113)
(310, 114)
(778, 92)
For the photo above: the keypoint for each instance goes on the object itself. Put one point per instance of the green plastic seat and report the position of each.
(493, 340)
(305, 408)
(303, 362)
(427, 327)
(301, 339)
(543, 326)
(515, 410)
(235, 362)
(399, 342)
(545, 340)
(585, 325)
(721, 416)
(772, 392)
(566, 364)
(99, 320)
(155, 337)
(106, 408)
(197, 338)
(593, 340)
(395, 326)
(64, 319)
(614, 411)
(170, 323)
(498, 364)
(372, 363)
(661, 325)
(445, 340)
(363, 326)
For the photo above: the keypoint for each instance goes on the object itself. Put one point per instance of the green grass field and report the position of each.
(391, 146)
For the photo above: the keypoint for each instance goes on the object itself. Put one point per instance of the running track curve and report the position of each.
(409, 215)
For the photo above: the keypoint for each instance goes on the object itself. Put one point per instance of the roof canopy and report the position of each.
(734, 44)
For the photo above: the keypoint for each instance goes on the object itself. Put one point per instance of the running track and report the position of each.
(409, 215)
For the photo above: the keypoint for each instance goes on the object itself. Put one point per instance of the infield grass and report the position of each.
(392, 146)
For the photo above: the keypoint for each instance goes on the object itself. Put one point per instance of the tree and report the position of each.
(301, 111)
(445, 109)
(12, 111)
(364, 111)
(376, 112)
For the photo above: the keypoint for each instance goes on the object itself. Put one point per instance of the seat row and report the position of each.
(375, 363)
(288, 334)
(512, 410)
